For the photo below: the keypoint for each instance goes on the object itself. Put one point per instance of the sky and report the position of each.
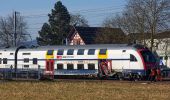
(35, 11)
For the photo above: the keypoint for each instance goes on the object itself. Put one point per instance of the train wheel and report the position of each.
(137, 77)
(119, 76)
(100, 75)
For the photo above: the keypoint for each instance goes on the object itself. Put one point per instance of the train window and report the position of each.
(26, 66)
(102, 51)
(91, 66)
(60, 52)
(80, 66)
(11, 53)
(70, 51)
(80, 52)
(91, 52)
(166, 57)
(0, 53)
(70, 67)
(50, 52)
(0, 60)
(123, 50)
(26, 53)
(59, 66)
(133, 58)
(34, 60)
(26, 60)
(4, 60)
(148, 56)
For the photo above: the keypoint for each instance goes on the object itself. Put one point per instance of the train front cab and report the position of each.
(149, 61)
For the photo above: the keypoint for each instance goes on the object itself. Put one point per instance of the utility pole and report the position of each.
(15, 28)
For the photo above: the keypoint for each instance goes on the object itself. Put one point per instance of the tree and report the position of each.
(78, 20)
(145, 16)
(58, 28)
(152, 15)
(7, 31)
(45, 34)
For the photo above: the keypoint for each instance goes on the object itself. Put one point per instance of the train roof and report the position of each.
(8, 49)
(93, 46)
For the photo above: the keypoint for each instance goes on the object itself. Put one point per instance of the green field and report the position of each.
(83, 90)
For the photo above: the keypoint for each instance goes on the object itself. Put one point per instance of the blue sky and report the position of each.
(35, 11)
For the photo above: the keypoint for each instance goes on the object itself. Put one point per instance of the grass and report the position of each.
(84, 90)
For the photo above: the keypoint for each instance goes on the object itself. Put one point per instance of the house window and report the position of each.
(80, 66)
(60, 66)
(26, 60)
(60, 52)
(91, 51)
(70, 67)
(133, 58)
(78, 42)
(4, 60)
(102, 51)
(70, 52)
(35, 60)
(11, 53)
(80, 52)
(91, 66)
(166, 57)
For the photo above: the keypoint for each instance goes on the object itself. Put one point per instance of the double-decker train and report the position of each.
(100, 60)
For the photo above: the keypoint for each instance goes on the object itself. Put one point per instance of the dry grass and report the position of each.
(92, 90)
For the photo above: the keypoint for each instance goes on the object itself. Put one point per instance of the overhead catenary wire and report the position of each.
(74, 12)
(87, 13)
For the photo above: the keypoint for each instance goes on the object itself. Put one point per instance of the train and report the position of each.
(97, 60)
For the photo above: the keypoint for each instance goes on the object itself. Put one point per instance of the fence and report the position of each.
(22, 72)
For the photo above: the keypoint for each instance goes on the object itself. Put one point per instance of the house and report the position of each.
(87, 35)
(162, 46)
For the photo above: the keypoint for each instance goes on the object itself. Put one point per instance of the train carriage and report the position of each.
(104, 60)
(6, 56)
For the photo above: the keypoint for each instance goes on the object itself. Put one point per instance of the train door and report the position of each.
(105, 67)
(125, 61)
(49, 69)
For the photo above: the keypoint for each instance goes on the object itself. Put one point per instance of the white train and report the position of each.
(104, 60)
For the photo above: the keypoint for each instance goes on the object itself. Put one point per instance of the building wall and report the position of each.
(162, 48)
(76, 40)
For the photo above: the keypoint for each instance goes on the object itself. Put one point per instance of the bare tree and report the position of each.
(145, 16)
(7, 30)
(78, 20)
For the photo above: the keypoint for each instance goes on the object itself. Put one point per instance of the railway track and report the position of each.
(98, 80)
(164, 81)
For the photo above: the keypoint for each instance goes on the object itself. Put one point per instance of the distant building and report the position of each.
(86, 35)
(161, 43)
(162, 46)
